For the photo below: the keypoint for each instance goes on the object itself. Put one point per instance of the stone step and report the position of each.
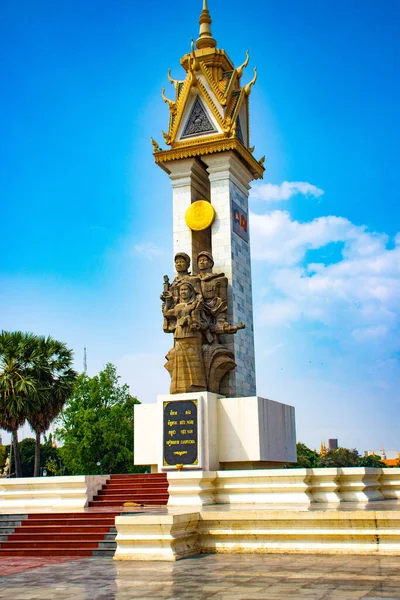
(54, 537)
(61, 534)
(155, 502)
(61, 530)
(135, 486)
(131, 497)
(108, 545)
(71, 516)
(103, 552)
(121, 492)
(140, 476)
(49, 552)
(99, 522)
(47, 544)
(247, 530)
(9, 524)
(5, 530)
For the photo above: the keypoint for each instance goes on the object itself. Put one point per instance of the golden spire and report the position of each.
(205, 40)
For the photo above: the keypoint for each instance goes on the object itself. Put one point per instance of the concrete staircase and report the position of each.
(151, 489)
(8, 524)
(60, 534)
(89, 533)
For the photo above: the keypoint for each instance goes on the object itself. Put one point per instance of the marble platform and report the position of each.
(170, 534)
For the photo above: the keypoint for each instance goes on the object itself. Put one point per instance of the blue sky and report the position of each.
(86, 215)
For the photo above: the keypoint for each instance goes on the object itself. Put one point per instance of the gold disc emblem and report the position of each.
(200, 215)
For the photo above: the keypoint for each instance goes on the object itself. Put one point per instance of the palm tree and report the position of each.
(17, 386)
(54, 376)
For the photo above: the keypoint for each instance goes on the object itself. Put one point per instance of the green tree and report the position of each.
(96, 425)
(52, 371)
(372, 460)
(50, 456)
(306, 458)
(17, 386)
(27, 450)
(340, 457)
(3, 457)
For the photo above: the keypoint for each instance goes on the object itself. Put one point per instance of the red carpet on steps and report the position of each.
(143, 489)
(89, 533)
(62, 534)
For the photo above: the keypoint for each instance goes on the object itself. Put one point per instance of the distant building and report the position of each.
(390, 457)
(332, 445)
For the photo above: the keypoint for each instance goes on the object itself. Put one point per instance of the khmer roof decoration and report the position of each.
(204, 112)
(198, 121)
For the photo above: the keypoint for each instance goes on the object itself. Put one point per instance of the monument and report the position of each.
(212, 418)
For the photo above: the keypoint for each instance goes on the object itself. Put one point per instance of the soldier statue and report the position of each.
(195, 310)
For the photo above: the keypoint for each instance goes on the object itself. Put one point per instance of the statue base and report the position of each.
(206, 431)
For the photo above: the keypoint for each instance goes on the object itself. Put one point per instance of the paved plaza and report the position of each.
(220, 577)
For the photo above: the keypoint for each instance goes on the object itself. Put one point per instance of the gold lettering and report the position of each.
(172, 423)
(173, 413)
(190, 422)
(172, 432)
(188, 442)
(189, 431)
(182, 422)
(172, 442)
(188, 412)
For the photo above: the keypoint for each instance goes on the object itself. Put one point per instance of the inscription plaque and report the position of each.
(180, 429)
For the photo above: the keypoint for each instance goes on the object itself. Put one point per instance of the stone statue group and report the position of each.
(195, 310)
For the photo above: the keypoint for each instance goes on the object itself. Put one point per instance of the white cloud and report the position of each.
(275, 193)
(280, 313)
(278, 239)
(148, 250)
(358, 296)
(370, 333)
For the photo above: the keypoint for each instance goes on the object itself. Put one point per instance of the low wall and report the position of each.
(50, 493)
(283, 486)
(249, 530)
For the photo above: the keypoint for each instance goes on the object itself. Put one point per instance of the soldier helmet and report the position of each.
(185, 257)
(207, 254)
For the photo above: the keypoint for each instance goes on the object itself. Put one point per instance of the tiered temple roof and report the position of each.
(210, 112)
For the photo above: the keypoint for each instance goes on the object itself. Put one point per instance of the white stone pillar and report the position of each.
(189, 183)
(324, 486)
(359, 484)
(390, 483)
(229, 191)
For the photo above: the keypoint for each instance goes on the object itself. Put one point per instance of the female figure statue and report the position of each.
(185, 361)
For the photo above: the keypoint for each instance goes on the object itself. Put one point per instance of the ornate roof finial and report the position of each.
(173, 81)
(205, 40)
(240, 69)
(247, 88)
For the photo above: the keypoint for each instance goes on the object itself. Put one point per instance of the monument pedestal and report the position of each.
(229, 433)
